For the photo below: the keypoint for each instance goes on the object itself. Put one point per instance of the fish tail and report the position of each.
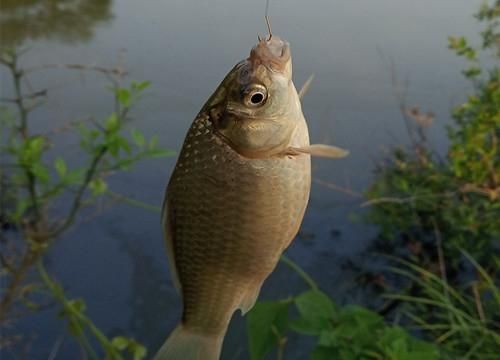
(185, 344)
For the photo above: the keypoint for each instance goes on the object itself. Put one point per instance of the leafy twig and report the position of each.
(80, 192)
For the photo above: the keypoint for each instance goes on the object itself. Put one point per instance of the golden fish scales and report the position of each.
(238, 214)
(236, 197)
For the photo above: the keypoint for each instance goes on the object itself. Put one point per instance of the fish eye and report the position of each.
(255, 96)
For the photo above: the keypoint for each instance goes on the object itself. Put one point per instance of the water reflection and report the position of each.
(68, 21)
(152, 300)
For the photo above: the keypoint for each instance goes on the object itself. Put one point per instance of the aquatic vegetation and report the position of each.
(441, 216)
(462, 319)
(419, 199)
(79, 325)
(347, 332)
(43, 190)
(438, 217)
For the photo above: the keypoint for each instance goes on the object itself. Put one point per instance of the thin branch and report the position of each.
(80, 192)
(466, 189)
(134, 202)
(17, 75)
(341, 189)
(10, 293)
(33, 95)
(312, 284)
(117, 71)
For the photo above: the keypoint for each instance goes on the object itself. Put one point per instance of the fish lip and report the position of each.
(274, 53)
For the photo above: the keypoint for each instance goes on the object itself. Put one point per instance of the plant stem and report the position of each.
(312, 284)
(134, 202)
(77, 202)
(30, 257)
(78, 318)
(17, 75)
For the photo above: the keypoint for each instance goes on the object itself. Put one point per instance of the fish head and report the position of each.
(261, 108)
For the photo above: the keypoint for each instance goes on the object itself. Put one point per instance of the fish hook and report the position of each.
(269, 28)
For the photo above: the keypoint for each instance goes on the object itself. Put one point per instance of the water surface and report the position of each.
(355, 48)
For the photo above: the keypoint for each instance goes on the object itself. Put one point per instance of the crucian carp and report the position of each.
(236, 197)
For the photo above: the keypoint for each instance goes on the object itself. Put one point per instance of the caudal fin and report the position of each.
(184, 344)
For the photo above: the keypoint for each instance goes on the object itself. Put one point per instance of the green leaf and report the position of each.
(98, 186)
(113, 144)
(361, 316)
(36, 144)
(324, 353)
(159, 153)
(317, 313)
(120, 342)
(124, 96)
(265, 323)
(77, 305)
(472, 72)
(140, 86)
(112, 123)
(328, 339)
(137, 137)
(124, 144)
(21, 206)
(316, 309)
(153, 142)
(40, 172)
(61, 168)
(139, 351)
(75, 176)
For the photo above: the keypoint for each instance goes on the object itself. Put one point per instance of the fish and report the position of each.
(237, 197)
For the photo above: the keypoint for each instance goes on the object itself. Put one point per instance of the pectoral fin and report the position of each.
(303, 90)
(320, 150)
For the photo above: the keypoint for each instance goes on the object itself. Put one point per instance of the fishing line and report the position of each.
(266, 16)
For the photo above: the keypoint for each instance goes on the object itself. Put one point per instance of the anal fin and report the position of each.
(249, 299)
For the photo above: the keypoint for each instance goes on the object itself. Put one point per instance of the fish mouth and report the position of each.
(273, 53)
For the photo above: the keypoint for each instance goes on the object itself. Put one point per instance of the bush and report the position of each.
(417, 198)
(37, 180)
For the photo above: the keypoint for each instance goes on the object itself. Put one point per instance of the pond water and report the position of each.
(362, 53)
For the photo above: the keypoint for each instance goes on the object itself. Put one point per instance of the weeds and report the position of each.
(349, 332)
(42, 198)
(463, 320)
(438, 217)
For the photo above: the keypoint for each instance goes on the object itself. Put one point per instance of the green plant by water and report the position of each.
(43, 193)
(439, 226)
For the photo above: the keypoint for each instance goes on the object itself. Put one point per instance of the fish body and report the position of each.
(236, 197)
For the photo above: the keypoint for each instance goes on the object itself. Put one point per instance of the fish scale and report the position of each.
(233, 219)
(236, 197)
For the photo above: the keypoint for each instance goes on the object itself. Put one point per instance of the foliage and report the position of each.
(417, 197)
(79, 325)
(349, 332)
(43, 190)
(464, 319)
(444, 212)
(442, 215)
